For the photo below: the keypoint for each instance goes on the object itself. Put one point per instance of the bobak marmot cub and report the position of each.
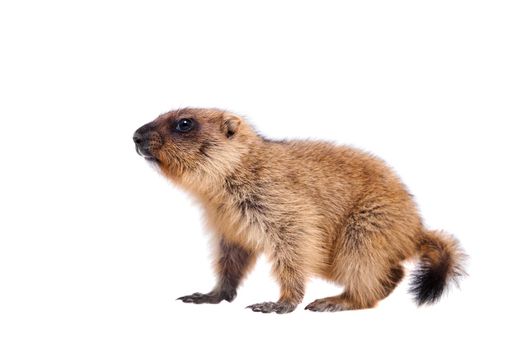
(313, 208)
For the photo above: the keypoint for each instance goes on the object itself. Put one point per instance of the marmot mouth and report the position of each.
(145, 154)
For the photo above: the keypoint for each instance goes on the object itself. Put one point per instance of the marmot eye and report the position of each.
(184, 125)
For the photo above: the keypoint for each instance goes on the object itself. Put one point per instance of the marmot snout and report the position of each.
(315, 209)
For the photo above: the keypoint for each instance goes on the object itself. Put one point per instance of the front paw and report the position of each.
(199, 298)
(277, 307)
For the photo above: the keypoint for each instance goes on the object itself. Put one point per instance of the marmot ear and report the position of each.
(230, 124)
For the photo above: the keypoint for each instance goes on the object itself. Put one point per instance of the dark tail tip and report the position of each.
(429, 282)
(441, 263)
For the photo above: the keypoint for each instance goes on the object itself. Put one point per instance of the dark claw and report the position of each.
(324, 305)
(268, 307)
(199, 298)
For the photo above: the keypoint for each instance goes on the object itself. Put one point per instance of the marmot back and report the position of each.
(312, 207)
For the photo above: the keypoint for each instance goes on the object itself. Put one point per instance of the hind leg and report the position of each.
(361, 294)
(368, 254)
(336, 303)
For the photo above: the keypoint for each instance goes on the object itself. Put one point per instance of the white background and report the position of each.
(95, 246)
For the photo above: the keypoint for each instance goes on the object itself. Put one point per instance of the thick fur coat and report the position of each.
(314, 208)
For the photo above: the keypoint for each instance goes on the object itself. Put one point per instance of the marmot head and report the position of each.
(206, 142)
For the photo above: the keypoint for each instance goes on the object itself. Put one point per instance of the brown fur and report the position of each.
(314, 208)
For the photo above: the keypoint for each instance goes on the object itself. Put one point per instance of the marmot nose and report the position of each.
(138, 138)
(141, 134)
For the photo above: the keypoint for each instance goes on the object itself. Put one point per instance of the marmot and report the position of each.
(315, 209)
